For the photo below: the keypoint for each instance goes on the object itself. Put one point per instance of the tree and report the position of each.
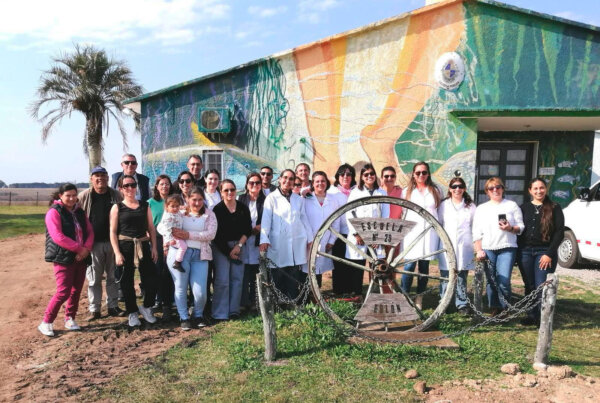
(90, 82)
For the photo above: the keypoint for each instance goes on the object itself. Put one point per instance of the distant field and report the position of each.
(25, 196)
(21, 220)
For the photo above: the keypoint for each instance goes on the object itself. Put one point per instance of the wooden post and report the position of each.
(547, 317)
(478, 286)
(267, 310)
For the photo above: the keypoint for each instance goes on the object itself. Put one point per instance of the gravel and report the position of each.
(589, 274)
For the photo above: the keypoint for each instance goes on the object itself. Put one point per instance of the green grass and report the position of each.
(21, 220)
(318, 364)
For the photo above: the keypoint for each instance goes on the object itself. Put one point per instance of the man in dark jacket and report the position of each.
(129, 165)
(194, 165)
(97, 202)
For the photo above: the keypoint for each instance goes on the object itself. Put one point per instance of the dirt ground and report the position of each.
(36, 368)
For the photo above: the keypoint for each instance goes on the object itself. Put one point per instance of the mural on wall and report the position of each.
(371, 95)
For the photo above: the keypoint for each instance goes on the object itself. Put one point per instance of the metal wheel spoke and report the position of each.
(412, 245)
(351, 245)
(344, 261)
(405, 262)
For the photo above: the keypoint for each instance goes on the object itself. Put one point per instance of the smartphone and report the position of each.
(502, 218)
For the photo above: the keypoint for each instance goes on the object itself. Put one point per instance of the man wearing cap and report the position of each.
(129, 165)
(97, 202)
(194, 165)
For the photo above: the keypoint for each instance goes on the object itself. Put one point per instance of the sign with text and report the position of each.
(382, 231)
(387, 308)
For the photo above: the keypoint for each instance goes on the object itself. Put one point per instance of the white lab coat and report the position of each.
(458, 223)
(285, 227)
(371, 210)
(341, 199)
(316, 215)
(430, 242)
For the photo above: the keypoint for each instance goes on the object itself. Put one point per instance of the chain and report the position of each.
(299, 303)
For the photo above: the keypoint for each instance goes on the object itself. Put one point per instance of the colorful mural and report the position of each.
(371, 95)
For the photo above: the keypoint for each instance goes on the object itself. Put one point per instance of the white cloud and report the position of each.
(311, 11)
(167, 22)
(265, 12)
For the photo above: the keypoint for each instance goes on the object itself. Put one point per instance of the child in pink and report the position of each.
(69, 240)
(173, 218)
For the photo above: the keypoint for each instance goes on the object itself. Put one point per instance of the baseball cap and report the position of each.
(98, 170)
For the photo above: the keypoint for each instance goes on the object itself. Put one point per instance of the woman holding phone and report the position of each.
(495, 228)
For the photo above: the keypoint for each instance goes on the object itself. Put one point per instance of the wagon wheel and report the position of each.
(382, 269)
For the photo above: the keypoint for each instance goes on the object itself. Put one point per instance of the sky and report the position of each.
(164, 42)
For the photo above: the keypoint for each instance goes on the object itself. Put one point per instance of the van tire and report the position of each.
(568, 251)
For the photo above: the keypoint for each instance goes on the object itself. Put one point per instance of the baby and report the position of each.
(173, 218)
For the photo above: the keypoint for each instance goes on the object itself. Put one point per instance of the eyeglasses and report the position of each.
(228, 190)
(457, 186)
(182, 181)
(253, 183)
(419, 173)
(266, 173)
(389, 176)
(495, 187)
(129, 162)
(369, 174)
(129, 185)
(347, 173)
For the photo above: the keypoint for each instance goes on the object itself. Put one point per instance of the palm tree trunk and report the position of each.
(94, 141)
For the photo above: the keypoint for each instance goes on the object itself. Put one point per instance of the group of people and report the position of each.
(196, 243)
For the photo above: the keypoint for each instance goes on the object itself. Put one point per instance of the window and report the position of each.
(213, 159)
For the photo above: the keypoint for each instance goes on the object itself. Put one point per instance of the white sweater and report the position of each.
(486, 228)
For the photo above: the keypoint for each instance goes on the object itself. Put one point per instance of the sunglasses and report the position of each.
(419, 173)
(266, 173)
(495, 187)
(253, 183)
(347, 174)
(182, 181)
(129, 185)
(389, 176)
(129, 162)
(298, 185)
(457, 187)
(228, 190)
(369, 174)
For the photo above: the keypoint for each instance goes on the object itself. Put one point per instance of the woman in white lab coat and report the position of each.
(422, 191)
(456, 216)
(319, 206)
(367, 186)
(285, 234)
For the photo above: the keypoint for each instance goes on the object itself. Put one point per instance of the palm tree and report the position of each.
(90, 82)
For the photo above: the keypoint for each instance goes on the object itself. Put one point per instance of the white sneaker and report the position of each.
(46, 329)
(147, 314)
(134, 321)
(70, 324)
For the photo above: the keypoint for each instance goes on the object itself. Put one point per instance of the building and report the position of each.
(470, 85)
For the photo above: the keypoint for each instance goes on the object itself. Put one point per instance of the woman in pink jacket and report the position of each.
(69, 239)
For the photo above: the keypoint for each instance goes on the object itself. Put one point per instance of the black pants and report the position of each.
(346, 279)
(166, 288)
(249, 285)
(288, 280)
(147, 275)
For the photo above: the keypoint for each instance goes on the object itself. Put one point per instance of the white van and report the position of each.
(582, 229)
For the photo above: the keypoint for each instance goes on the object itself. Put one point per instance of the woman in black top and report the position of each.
(254, 198)
(234, 228)
(538, 244)
(133, 239)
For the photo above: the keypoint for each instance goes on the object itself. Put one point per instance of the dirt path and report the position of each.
(37, 368)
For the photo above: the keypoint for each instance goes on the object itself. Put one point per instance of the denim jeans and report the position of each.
(227, 289)
(195, 275)
(461, 287)
(529, 261)
(498, 273)
(406, 281)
